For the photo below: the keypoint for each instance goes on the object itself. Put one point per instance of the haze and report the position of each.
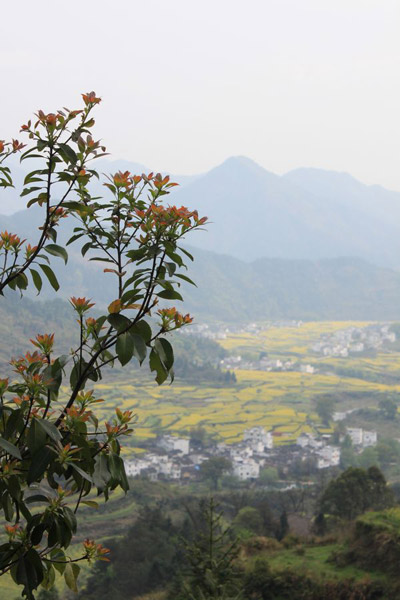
(186, 84)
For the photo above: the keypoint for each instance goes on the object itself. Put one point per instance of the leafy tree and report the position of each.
(198, 436)
(354, 492)
(368, 458)
(283, 528)
(339, 432)
(388, 408)
(269, 475)
(325, 407)
(388, 451)
(248, 518)
(320, 525)
(53, 450)
(348, 457)
(259, 582)
(214, 468)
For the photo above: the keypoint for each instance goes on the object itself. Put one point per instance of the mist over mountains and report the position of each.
(304, 214)
(307, 214)
(293, 246)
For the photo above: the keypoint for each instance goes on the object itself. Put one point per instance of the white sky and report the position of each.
(186, 84)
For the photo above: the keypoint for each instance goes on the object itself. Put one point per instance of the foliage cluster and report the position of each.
(356, 491)
(54, 452)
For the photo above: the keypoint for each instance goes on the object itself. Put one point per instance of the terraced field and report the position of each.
(281, 401)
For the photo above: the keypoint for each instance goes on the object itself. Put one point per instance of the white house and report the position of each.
(134, 467)
(308, 440)
(356, 435)
(339, 416)
(258, 437)
(329, 456)
(369, 438)
(240, 452)
(247, 469)
(307, 369)
(171, 443)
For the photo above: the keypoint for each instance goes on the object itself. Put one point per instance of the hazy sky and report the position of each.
(186, 84)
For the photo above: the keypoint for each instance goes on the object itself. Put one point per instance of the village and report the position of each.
(173, 458)
(340, 344)
(353, 340)
(231, 363)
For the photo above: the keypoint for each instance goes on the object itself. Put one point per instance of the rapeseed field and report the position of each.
(283, 402)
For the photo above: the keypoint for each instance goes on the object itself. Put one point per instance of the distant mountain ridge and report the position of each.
(271, 288)
(320, 231)
(230, 290)
(307, 213)
(304, 214)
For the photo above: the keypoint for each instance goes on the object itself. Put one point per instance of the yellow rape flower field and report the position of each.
(279, 401)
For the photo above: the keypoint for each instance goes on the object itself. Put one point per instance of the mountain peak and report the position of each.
(241, 166)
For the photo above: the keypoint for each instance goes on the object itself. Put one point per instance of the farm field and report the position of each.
(279, 401)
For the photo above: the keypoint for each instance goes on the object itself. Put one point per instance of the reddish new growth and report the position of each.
(81, 305)
(95, 551)
(90, 99)
(172, 319)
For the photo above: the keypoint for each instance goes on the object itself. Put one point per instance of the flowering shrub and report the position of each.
(53, 450)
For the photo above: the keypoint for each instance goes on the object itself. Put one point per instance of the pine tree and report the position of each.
(212, 572)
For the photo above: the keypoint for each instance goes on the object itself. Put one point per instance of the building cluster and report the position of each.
(328, 455)
(353, 340)
(265, 364)
(173, 458)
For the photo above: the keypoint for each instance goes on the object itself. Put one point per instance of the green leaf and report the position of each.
(74, 238)
(41, 145)
(56, 250)
(37, 534)
(119, 322)
(82, 473)
(124, 348)
(50, 429)
(32, 176)
(50, 276)
(156, 365)
(143, 329)
(67, 153)
(169, 295)
(101, 475)
(39, 463)
(22, 281)
(171, 268)
(70, 576)
(58, 556)
(36, 436)
(85, 248)
(173, 255)
(36, 498)
(90, 503)
(165, 352)
(117, 470)
(139, 347)
(187, 254)
(49, 576)
(30, 190)
(70, 518)
(37, 280)
(26, 576)
(185, 279)
(10, 448)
